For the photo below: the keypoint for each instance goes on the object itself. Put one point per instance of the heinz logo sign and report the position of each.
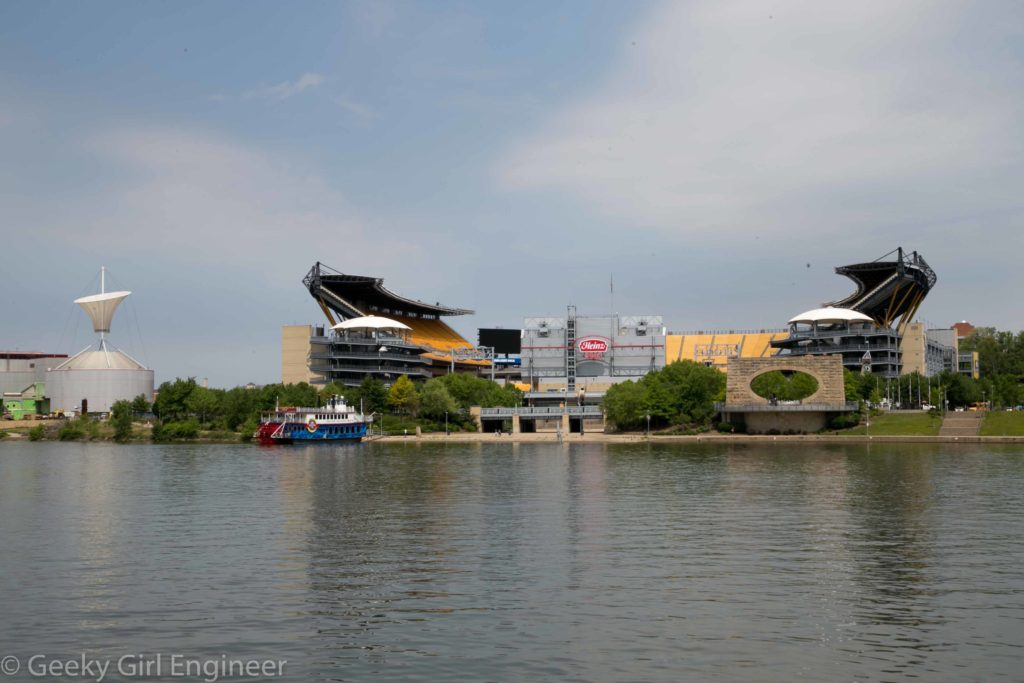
(592, 346)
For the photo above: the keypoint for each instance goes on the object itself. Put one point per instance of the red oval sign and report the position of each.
(592, 345)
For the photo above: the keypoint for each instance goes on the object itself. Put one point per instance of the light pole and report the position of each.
(648, 425)
(446, 423)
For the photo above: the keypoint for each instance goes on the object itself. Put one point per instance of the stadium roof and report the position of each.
(890, 288)
(353, 296)
(371, 322)
(830, 314)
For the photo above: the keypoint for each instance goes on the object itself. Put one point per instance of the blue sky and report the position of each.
(718, 157)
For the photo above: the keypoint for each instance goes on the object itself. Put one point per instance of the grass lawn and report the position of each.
(1003, 424)
(900, 424)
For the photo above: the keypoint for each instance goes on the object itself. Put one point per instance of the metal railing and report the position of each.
(370, 369)
(563, 395)
(810, 348)
(694, 333)
(365, 341)
(842, 333)
(786, 407)
(355, 355)
(546, 411)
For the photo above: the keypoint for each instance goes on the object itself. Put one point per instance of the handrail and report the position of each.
(374, 368)
(534, 411)
(848, 347)
(692, 333)
(369, 356)
(336, 339)
(783, 407)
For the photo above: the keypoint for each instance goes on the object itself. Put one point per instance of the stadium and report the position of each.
(370, 330)
(408, 336)
(867, 327)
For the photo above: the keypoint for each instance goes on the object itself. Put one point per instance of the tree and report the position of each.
(469, 390)
(140, 404)
(797, 385)
(624, 405)
(681, 393)
(172, 398)
(240, 405)
(333, 389)
(694, 388)
(301, 394)
(435, 400)
(403, 396)
(203, 402)
(373, 394)
(121, 418)
(857, 386)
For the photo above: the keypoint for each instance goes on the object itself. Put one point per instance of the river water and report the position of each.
(521, 562)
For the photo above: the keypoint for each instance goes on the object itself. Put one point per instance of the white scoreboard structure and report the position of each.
(581, 351)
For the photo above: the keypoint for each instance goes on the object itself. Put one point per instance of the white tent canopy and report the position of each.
(101, 307)
(371, 322)
(830, 314)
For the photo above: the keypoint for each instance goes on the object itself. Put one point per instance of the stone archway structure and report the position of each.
(827, 370)
(760, 416)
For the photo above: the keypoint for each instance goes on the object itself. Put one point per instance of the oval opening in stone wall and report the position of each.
(784, 385)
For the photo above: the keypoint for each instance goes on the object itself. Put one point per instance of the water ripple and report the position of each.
(511, 562)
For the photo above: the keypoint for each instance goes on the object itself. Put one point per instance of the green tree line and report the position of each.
(682, 394)
(183, 407)
(1001, 365)
(1001, 381)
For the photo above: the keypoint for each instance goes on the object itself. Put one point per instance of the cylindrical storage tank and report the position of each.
(102, 377)
(102, 388)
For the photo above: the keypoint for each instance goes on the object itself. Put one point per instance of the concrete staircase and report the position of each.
(961, 424)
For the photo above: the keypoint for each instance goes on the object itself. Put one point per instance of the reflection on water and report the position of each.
(522, 561)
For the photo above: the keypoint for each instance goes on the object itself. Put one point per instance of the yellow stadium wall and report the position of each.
(751, 345)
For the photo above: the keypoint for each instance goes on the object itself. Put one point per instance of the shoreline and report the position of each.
(551, 437)
(593, 437)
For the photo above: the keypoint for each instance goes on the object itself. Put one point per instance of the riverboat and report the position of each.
(335, 421)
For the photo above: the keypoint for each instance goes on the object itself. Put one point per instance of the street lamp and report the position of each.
(446, 423)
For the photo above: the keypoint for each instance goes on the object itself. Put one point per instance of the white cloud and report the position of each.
(357, 108)
(286, 89)
(193, 196)
(794, 118)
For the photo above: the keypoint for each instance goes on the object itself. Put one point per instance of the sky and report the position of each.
(714, 159)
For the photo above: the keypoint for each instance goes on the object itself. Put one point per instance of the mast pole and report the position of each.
(103, 290)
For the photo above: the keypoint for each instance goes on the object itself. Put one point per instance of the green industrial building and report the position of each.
(31, 401)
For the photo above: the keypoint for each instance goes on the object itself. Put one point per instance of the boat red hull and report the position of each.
(265, 432)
